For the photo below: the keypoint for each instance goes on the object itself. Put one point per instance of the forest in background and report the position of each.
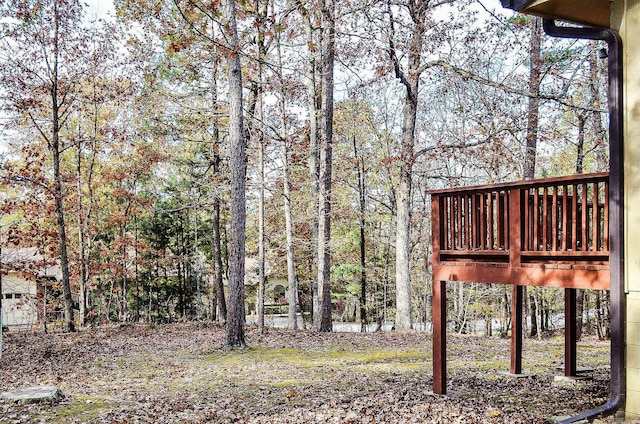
(115, 159)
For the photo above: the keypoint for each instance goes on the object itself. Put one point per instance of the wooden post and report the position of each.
(439, 306)
(516, 329)
(515, 246)
(570, 347)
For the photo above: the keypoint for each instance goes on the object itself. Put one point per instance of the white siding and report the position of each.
(18, 300)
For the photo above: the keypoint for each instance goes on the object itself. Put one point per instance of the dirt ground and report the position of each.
(180, 374)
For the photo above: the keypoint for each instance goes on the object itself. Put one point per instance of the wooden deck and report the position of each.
(551, 232)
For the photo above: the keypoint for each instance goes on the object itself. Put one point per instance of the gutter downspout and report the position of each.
(616, 210)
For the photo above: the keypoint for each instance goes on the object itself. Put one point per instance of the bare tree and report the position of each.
(308, 15)
(410, 79)
(286, 188)
(216, 161)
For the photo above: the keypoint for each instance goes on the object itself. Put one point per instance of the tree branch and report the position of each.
(509, 89)
(392, 50)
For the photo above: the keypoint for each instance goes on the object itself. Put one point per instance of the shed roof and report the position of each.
(29, 259)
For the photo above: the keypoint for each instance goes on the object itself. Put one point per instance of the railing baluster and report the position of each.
(483, 221)
(585, 221)
(490, 243)
(565, 217)
(493, 236)
(605, 232)
(507, 214)
(536, 219)
(444, 226)
(474, 222)
(515, 224)
(476, 211)
(467, 224)
(437, 216)
(554, 219)
(459, 223)
(574, 220)
(498, 220)
(545, 217)
(452, 242)
(595, 217)
(527, 214)
(451, 224)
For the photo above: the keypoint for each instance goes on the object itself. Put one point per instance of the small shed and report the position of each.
(24, 273)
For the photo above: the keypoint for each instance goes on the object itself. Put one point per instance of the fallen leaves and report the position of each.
(179, 373)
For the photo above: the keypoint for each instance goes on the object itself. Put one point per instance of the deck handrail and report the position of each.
(586, 178)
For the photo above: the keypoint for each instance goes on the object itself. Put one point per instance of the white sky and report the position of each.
(99, 8)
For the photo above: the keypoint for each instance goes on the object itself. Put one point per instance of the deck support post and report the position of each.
(516, 329)
(439, 337)
(570, 333)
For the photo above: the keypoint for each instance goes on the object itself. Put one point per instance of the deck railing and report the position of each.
(546, 220)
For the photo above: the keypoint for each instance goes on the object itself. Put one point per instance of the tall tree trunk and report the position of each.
(363, 260)
(410, 79)
(533, 309)
(261, 249)
(179, 270)
(403, 248)
(313, 106)
(257, 92)
(601, 151)
(135, 265)
(218, 283)
(387, 276)
(124, 270)
(55, 148)
(84, 214)
(582, 122)
(238, 170)
(324, 197)
(82, 264)
(286, 188)
(196, 265)
(541, 313)
(69, 324)
(535, 65)
(506, 315)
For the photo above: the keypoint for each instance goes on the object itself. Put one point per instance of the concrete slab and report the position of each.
(560, 418)
(37, 394)
(579, 370)
(563, 380)
(448, 394)
(508, 374)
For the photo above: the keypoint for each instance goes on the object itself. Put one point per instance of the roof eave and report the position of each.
(596, 13)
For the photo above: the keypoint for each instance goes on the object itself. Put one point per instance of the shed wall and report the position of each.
(18, 300)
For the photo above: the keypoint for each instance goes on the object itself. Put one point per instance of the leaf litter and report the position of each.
(180, 373)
